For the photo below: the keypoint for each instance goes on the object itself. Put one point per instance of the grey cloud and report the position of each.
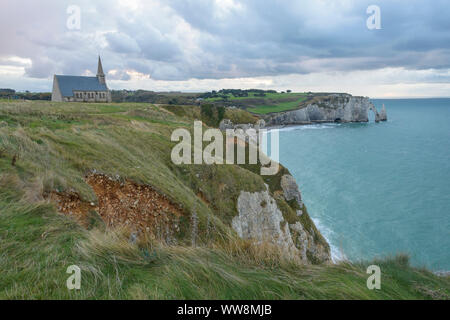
(122, 43)
(40, 68)
(253, 38)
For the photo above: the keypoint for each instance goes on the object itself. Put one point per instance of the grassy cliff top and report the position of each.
(50, 148)
(261, 103)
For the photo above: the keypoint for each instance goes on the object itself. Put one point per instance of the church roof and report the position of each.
(67, 84)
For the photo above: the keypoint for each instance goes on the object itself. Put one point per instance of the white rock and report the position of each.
(290, 189)
(260, 219)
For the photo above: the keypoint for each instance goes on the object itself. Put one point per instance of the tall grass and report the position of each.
(37, 245)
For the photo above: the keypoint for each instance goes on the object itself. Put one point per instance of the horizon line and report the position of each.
(193, 92)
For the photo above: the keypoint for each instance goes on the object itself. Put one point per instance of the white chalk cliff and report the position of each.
(259, 218)
(341, 108)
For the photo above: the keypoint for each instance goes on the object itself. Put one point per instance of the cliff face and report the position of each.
(260, 219)
(263, 218)
(330, 109)
(276, 214)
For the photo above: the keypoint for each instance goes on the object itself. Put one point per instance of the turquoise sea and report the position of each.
(376, 189)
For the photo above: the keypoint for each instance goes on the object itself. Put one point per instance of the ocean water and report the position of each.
(377, 189)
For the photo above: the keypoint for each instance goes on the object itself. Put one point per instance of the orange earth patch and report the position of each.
(123, 203)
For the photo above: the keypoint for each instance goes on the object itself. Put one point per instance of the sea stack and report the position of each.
(383, 114)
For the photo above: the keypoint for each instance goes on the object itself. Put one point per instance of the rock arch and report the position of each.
(375, 111)
(379, 116)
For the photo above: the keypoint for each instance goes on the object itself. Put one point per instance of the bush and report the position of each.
(212, 115)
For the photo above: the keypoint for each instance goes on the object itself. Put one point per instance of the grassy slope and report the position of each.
(38, 245)
(58, 143)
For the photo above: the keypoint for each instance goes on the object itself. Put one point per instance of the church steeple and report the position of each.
(100, 74)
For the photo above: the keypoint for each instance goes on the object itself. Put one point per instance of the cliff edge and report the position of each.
(334, 108)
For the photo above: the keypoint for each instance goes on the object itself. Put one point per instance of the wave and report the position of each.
(316, 126)
(337, 253)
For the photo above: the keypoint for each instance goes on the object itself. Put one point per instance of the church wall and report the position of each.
(56, 92)
(92, 96)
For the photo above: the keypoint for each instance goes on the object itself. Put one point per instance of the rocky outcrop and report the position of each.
(228, 124)
(383, 114)
(309, 248)
(329, 109)
(260, 219)
(290, 189)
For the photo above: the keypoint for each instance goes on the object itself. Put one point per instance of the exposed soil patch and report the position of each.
(124, 203)
(71, 205)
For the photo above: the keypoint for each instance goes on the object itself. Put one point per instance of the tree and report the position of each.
(207, 110)
(220, 113)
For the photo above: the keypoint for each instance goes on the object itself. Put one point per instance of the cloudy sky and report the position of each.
(199, 45)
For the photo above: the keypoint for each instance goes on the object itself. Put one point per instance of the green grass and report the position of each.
(251, 95)
(57, 144)
(271, 102)
(282, 106)
(37, 245)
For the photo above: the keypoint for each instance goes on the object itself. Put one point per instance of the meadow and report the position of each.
(269, 103)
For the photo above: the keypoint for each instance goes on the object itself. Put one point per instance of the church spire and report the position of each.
(100, 67)
(100, 74)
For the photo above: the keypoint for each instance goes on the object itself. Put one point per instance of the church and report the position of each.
(81, 89)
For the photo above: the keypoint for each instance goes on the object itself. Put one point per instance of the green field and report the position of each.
(282, 106)
(251, 95)
(271, 102)
(47, 147)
